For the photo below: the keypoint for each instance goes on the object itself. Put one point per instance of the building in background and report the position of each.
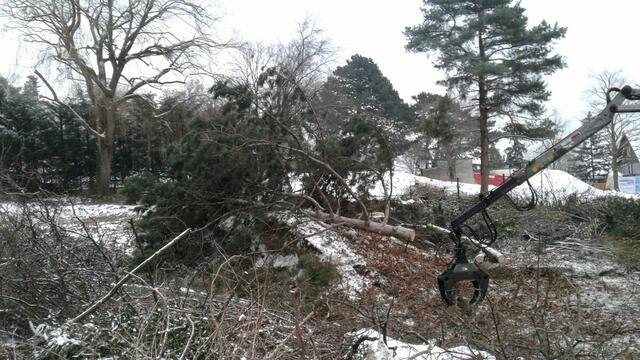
(629, 164)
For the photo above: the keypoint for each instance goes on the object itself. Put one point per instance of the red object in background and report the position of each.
(495, 180)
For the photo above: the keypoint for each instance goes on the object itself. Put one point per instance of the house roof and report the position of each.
(635, 145)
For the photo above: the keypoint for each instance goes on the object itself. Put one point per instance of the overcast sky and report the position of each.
(600, 37)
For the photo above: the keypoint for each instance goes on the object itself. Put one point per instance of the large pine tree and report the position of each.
(365, 121)
(491, 55)
(360, 88)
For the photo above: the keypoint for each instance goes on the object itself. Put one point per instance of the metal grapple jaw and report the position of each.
(462, 270)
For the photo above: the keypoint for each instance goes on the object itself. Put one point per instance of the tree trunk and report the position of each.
(105, 124)
(614, 156)
(484, 117)
(105, 157)
(614, 168)
(451, 167)
(378, 228)
(484, 139)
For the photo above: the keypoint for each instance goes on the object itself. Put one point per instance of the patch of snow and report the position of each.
(54, 336)
(404, 182)
(333, 248)
(228, 223)
(60, 338)
(9, 208)
(188, 291)
(598, 281)
(106, 223)
(295, 181)
(557, 185)
(278, 261)
(550, 185)
(409, 322)
(93, 211)
(377, 349)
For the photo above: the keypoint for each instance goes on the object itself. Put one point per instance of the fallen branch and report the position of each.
(56, 100)
(276, 351)
(124, 279)
(378, 228)
(489, 252)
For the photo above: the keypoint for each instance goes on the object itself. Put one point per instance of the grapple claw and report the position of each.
(462, 271)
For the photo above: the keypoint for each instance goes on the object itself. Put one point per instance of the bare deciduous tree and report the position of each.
(114, 48)
(623, 128)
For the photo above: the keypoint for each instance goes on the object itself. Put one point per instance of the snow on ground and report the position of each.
(404, 182)
(395, 349)
(107, 223)
(333, 248)
(590, 265)
(556, 185)
(550, 185)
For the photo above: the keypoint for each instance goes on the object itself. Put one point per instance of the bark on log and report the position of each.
(378, 228)
(495, 254)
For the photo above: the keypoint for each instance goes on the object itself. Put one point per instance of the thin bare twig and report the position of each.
(119, 284)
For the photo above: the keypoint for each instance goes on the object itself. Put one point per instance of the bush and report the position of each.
(135, 188)
(48, 274)
(316, 275)
(628, 252)
(621, 216)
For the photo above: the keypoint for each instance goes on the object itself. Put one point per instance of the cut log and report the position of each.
(378, 228)
(485, 264)
(493, 254)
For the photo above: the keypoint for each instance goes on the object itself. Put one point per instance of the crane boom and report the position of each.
(460, 269)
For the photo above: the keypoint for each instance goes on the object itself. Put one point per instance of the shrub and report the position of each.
(135, 188)
(621, 216)
(316, 275)
(628, 252)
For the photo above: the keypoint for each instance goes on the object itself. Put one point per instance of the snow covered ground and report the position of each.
(395, 349)
(550, 185)
(107, 223)
(333, 248)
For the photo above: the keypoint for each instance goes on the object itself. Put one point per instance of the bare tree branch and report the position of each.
(56, 100)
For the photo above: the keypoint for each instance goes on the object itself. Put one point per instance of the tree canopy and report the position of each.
(491, 56)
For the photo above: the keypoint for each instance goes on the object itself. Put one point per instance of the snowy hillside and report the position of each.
(550, 185)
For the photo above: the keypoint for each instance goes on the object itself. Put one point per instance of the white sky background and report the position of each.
(600, 37)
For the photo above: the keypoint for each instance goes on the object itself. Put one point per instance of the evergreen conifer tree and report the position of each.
(443, 120)
(515, 154)
(367, 121)
(491, 55)
(497, 161)
(589, 161)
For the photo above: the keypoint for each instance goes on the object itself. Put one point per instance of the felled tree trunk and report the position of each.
(378, 228)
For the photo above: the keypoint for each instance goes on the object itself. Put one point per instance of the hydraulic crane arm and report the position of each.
(460, 269)
(555, 152)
